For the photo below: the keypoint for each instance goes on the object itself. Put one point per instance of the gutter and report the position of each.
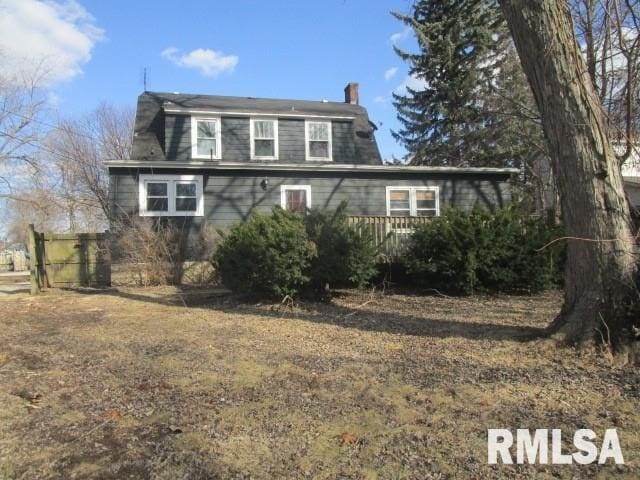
(311, 168)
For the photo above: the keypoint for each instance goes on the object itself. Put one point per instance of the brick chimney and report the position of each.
(351, 93)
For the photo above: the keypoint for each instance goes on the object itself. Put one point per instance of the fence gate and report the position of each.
(69, 259)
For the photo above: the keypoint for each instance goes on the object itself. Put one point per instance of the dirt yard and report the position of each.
(132, 384)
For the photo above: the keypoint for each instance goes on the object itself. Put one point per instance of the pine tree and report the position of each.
(475, 108)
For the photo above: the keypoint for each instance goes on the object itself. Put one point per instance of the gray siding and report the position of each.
(235, 140)
(231, 197)
(177, 137)
(344, 150)
(633, 192)
(291, 141)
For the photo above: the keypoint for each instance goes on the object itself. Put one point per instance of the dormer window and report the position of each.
(205, 138)
(318, 141)
(264, 139)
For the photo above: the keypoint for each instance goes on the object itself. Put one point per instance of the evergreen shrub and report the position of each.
(480, 251)
(345, 259)
(285, 253)
(267, 256)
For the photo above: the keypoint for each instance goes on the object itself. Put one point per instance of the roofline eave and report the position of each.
(308, 167)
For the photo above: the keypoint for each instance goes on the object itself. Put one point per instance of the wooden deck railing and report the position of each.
(390, 234)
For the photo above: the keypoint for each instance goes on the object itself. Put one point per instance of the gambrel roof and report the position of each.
(149, 128)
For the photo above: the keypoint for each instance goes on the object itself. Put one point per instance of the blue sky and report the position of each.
(281, 49)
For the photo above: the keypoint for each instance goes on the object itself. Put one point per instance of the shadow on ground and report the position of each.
(364, 317)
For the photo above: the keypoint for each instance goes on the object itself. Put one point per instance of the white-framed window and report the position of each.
(295, 198)
(318, 140)
(413, 201)
(170, 195)
(264, 138)
(206, 135)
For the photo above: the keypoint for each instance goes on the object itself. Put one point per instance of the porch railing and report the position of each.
(390, 234)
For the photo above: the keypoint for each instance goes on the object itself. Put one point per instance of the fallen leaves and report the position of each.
(174, 430)
(404, 389)
(32, 399)
(114, 415)
(346, 438)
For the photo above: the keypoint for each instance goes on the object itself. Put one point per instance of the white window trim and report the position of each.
(306, 142)
(413, 211)
(171, 181)
(283, 194)
(194, 137)
(252, 138)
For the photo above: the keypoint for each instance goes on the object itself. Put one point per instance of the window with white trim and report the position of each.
(413, 201)
(157, 197)
(206, 138)
(170, 195)
(264, 138)
(295, 198)
(318, 140)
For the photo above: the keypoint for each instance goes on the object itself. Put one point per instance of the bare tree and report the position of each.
(65, 186)
(22, 103)
(35, 206)
(79, 148)
(609, 35)
(602, 253)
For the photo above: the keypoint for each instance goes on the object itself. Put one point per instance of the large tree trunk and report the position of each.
(601, 261)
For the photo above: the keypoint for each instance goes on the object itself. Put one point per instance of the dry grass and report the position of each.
(131, 384)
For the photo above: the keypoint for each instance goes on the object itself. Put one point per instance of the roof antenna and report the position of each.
(144, 78)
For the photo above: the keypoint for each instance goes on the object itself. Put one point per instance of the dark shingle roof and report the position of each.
(149, 126)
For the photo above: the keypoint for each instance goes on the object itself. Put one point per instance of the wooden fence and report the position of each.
(6, 261)
(390, 234)
(13, 261)
(67, 260)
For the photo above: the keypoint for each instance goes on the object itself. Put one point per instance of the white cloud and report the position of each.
(390, 73)
(401, 35)
(412, 82)
(51, 39)
(209, 62)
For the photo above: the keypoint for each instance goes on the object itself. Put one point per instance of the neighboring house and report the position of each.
(631, 175)
(216, 159)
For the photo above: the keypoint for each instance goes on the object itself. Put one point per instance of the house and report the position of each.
(216, 159)
(631, 176)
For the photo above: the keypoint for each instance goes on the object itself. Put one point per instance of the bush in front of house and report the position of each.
(481, 251)
(267, 256)
(284, 253)
(442, 253)
(162, 251)
(510, 258)
(152, 249)
(345, 259)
